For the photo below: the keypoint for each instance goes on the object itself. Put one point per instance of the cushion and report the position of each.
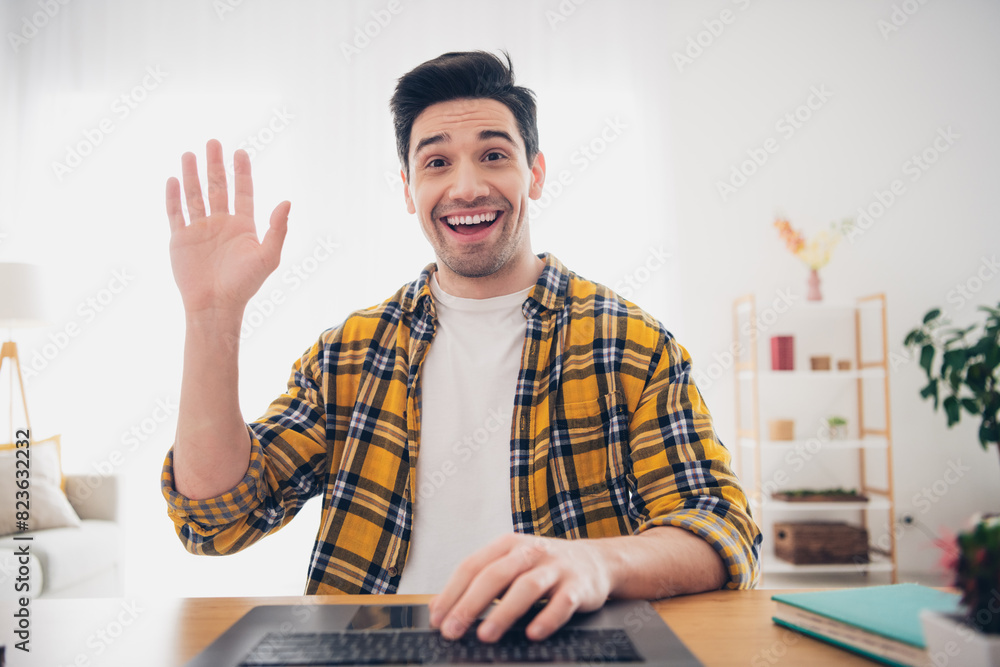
(69, 556)
(47, 505)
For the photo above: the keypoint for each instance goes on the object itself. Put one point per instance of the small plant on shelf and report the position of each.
(837, 426)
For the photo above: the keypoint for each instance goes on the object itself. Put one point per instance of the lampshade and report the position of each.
(21, 296)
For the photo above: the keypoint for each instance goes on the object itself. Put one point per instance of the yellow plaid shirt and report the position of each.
(609, 437)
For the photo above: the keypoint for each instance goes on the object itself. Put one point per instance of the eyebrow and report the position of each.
(443, 137)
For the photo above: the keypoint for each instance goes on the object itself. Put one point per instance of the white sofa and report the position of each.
(72, 562)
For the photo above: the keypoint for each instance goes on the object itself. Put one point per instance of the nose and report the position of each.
(468, 184)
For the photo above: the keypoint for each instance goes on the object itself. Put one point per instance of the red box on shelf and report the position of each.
(782, 353)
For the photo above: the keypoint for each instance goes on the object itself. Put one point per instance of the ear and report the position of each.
(406, 193)
(537, 176)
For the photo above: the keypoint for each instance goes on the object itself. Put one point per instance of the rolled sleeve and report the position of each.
(209, 515)
(289, 457)
(682, 471)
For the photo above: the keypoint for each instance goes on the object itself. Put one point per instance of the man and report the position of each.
(459, 429)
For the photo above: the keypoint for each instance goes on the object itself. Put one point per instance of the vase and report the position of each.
(951, 641)
(814, 293)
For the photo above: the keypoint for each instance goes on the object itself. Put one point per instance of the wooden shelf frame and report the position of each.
(747, 375)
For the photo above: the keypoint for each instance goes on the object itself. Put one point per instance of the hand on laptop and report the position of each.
(575, 575)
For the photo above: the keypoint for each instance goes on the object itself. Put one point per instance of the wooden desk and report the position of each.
(721, 628)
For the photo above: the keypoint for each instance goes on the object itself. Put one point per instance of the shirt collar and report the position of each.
(549, 292)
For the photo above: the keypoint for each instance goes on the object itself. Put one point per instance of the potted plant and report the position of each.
(968, 374)
(968, 378)
(972, 639)
(837, 426)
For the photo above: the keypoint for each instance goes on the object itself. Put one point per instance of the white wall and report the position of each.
(224, 76)
(890, 91)
(652, 188)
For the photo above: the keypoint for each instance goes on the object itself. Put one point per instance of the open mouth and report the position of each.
(469, 225)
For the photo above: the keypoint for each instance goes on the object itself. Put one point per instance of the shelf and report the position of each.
(840, 375)
(812, 307)
(775, 565)
(868, 443)
(876, 503)
(825, 324)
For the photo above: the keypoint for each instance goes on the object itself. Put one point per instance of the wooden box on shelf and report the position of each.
(820, 542)
(820, 363)
(781, 429)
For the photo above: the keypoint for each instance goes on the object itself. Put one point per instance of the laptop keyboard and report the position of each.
(415, 647)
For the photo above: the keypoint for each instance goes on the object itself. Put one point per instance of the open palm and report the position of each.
(217, 261)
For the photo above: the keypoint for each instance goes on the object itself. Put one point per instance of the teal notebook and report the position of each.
(880, 622)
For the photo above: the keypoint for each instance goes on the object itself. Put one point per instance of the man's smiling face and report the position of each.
(469, 185)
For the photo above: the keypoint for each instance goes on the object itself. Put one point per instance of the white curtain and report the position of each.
(101, 97)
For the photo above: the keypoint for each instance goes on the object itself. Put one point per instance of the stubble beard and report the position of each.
(489, 256)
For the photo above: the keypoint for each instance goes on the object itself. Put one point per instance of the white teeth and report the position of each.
(471, 219)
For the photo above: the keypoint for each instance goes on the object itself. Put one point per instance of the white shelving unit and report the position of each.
(867, 448)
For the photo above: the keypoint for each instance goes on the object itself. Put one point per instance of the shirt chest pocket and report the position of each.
(588, 441)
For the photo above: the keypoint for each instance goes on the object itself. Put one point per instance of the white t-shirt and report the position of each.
(468, 380)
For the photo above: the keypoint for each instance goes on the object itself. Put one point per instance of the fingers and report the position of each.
(556, 614)
(175, 215)
(218, 194)
(527, 589)
(192, 187)
(274, 238)
(463, 575)
(243, 202)
(489, 582)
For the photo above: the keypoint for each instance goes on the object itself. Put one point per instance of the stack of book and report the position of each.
(879, 622)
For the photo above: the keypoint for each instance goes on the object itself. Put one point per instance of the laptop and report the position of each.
(624, 632)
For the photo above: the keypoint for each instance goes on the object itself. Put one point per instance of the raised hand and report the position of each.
(217, 260)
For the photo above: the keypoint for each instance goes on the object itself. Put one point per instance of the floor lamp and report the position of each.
(20, 307)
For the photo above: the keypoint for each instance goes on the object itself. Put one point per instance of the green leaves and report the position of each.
(968, 374)
(931, 390)
(951, 409)
(927, 358)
